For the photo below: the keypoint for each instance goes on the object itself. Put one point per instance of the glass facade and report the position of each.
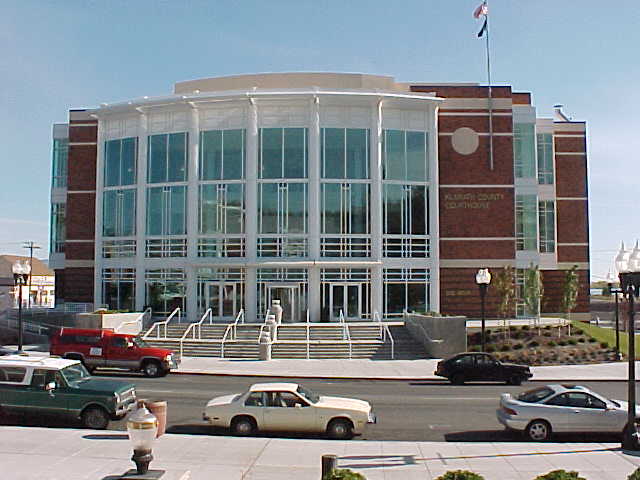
(404, 156)
(120, 162)
(283, 153)
(118, 288)
(545, 158)
(344, 153)
(119, 213)
(167, 210)
(57, 229)
(165, 290)
(524, 150)
(59, 164)
(222, 155)
(167, 158)
(527, 222)
(546, 222)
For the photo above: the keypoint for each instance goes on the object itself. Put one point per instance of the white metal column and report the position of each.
(434, 209)
(377, 291)
(251, 220)
(141, 210)
(313, 298)
(192, 216)
(97, 244)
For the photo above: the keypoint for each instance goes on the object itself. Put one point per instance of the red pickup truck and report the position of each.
(104, 348)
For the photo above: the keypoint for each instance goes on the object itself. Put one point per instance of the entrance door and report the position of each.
(345, 297)
(221, 298)
(288, 296)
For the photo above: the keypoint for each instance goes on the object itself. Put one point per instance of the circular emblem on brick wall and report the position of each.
(465, 141)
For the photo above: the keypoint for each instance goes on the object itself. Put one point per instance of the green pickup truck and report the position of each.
(49, 386)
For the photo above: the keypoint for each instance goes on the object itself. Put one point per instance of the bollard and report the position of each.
(329, 464)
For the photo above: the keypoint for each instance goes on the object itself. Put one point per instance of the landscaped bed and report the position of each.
(573, 344)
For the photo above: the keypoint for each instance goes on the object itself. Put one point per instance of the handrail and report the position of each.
(346, 327)
(376, 315)
(267, 315)
(308, 340)
(260, 331)
(165, 322)
(235, 323)
(139, 320)
(224, 339)
(307, 315)
(387, 332)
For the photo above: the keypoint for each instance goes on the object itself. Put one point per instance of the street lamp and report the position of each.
(142, 427)
(21, 273)
(629, 273)
(615, 291)
(483, 279)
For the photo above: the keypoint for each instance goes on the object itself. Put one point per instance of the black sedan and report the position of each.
(470, 366)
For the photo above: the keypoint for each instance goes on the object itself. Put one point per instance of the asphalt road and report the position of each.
(406, 410)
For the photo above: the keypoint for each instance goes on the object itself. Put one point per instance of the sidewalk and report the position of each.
(68, 454)
(381, 369)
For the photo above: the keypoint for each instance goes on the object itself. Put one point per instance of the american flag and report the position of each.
(483, 9)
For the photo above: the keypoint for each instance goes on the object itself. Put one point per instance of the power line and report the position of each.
(31, 246)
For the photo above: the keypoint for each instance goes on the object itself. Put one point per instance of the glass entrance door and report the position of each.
(345, 297)
(288, 296)
(221, 298)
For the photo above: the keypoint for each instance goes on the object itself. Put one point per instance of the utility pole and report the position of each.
(31, 246)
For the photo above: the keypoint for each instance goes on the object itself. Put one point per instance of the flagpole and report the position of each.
(490, 98)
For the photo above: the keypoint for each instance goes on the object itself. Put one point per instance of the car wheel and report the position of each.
(95, 418)
(457, 379)
(243, 426)
(152, 368)
(340, 429)
(515, 380)
(538, 430)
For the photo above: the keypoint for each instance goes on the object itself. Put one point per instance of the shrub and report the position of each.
(344, 474)
(475, 348)
(578, 331)
(592, 340)
(635, 475)
(512, 328)
(560, 475)
(547, 327)
(505, 347)
(460, 475)
(581, 340)
(517, 346)
(551, 343)
(605, 345)
(490, 349)
(547, 334)
(533, 344)
(562, 343)
(572, 341)
(525, 328)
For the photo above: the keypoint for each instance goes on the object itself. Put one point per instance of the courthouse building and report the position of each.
(339, 194)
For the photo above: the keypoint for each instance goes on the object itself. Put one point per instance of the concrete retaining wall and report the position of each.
(440, 336)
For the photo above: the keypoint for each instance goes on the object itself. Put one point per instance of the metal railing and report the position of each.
(307, 315)
(193, 328)
(139, 321)
(224, 339)
(308, 338)
(235, 322)
(346, 330)
(378, 320)
(159, 325)
(387, 335)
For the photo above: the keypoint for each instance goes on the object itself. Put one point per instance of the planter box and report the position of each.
(109, 321)
(441, 337)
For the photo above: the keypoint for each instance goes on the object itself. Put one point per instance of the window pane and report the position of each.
(112, 163)
(109, 213)
(234, 209)
(545, 158)
(418, 210)
(297, 208)
(177, 157)
(211, 155)
(524, 150)
(157, 158)
(394, 164)
(295, 153)
(60, 157)
(233, 154)
(357, 153)
(526, 222)
(417, 298)
(177, 211)
(154, 211)
(359, 208)
(331, 193)
(393, 214)
(271, 153)
(208, 209)
(269, 208)
(333, 152)
(128, 161)
(128, 212)
(416, 156)
(395, 297)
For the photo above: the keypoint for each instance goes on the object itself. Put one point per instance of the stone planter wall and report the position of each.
(109, 320)
(440, 336)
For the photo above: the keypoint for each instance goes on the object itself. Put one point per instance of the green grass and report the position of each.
(607, 335)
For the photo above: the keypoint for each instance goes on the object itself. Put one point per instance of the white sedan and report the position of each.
(561, 408)
(288, 407)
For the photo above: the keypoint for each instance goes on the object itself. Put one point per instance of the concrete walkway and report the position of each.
(382, 369)
(69, 454)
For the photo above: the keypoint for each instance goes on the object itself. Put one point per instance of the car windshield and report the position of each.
(308, 394)
(75, 373)
(535, 395)
(140, 343)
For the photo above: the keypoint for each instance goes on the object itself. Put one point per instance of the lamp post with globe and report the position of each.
(21, 272)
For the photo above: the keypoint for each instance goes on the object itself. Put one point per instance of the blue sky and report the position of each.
(70, 54)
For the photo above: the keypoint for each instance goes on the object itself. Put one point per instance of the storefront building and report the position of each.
(341, 195)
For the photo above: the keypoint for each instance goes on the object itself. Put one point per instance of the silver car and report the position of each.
(561, 408)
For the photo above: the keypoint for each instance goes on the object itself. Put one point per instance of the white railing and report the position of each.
(262, 327)
(235, 322)
(14, 324)
(307, 315)
(224, 339)
(346, 329)
(387, 335)
(308, 338)
(159, 325)
(139, 321)
(378, 320)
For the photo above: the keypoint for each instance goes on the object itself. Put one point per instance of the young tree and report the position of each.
(504, 283)
(570, 289)
(533, 290)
